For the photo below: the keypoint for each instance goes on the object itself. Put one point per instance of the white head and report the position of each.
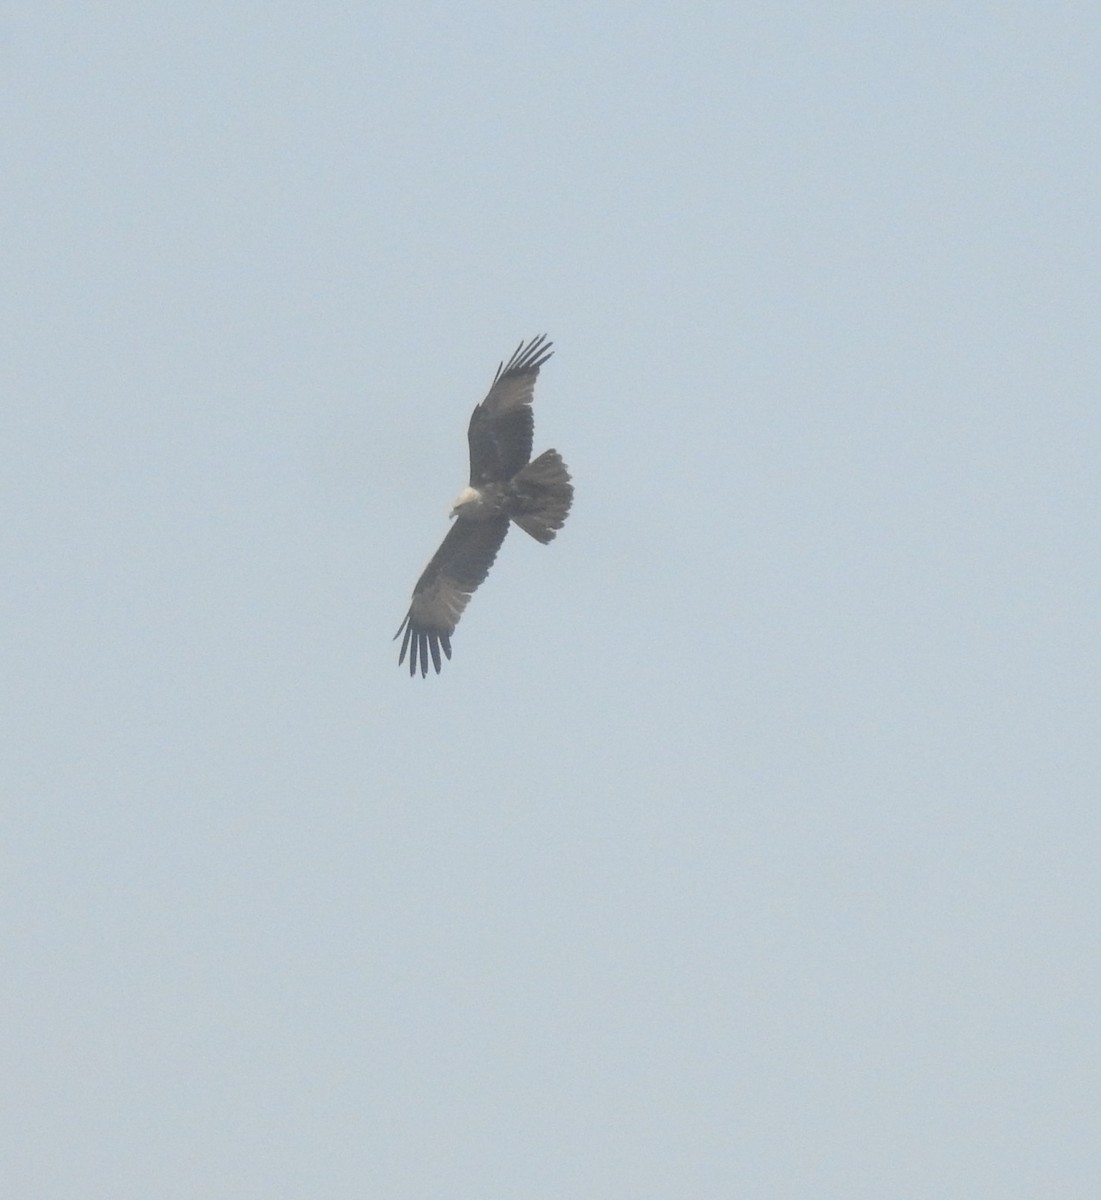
(467, 496)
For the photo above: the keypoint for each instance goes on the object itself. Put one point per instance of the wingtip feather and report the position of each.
(526, 358)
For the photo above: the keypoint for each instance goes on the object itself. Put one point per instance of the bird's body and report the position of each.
(505, 486)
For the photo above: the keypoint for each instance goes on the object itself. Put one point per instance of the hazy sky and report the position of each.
(749, 845)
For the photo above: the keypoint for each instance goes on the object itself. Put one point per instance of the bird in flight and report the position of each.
(505, 485)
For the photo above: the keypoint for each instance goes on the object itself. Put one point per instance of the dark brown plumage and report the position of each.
(505, 486)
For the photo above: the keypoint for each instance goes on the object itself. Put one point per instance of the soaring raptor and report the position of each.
(505, 485)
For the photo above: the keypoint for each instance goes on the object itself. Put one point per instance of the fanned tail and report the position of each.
(541, 496)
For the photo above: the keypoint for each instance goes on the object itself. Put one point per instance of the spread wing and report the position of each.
(447, 583)
(500, 427)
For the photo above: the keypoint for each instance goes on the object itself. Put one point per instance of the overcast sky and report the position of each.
(749, 844)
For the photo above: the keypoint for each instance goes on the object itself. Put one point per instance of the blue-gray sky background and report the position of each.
(749, 844)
